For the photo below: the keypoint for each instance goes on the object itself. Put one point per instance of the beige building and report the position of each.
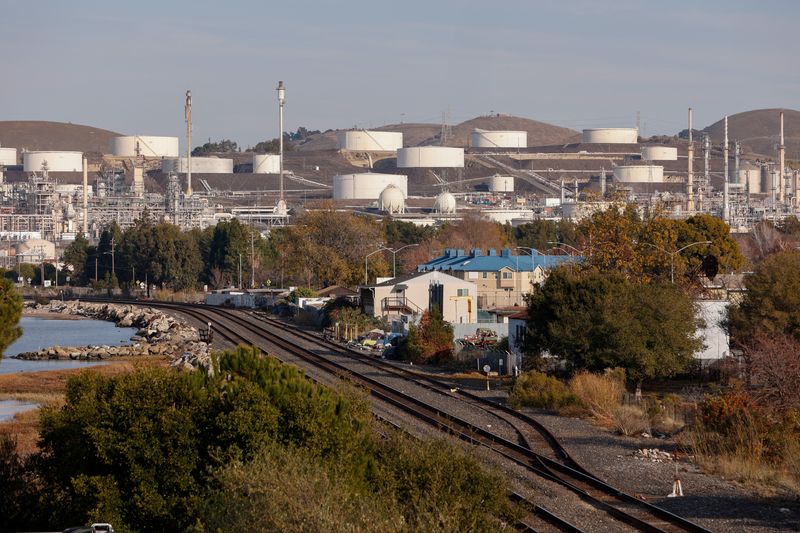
(415, 293)
(502, 280)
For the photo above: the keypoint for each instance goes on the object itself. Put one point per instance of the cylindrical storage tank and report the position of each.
(366, 185)
(392, 200)
(8, 156)
(498, 139)
(54, 161)
(611, 136)
(363, 140)
(750, 177)
(430, 157)
(266, 164)
(639, 174)
(659, 153)
(144, 145)
(200, 165)
(498, 183)
(445, 203)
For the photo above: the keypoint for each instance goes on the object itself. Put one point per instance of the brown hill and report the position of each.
(413, 135)
(40, 135)
(539, 133)
(758, 131)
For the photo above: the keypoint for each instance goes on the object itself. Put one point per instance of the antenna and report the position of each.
(187, 111)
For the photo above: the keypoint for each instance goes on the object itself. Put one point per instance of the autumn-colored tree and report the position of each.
(328, 247)
(429, 342)
(723, 246)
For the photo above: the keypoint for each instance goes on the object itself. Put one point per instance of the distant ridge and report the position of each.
(41, 135)
(758, 131)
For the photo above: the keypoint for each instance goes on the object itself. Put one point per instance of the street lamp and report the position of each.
(366, 275)
(394, 256)
(673, 254)
(567, 246)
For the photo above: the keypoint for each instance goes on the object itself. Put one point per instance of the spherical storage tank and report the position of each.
(200, 165)
(266, 164)
(144, 145)
(392, 200)
(611, 136)
(54, 161)
(8, 156)
(430, 157)
(639, 174)
(498, 139)
(380, 141)
(366, 185)
(498, 183)
(445, 203)
(659, 153)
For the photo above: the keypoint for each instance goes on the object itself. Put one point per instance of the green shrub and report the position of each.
(535, 389)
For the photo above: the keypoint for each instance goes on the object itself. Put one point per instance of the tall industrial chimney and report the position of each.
(85, 197)
(281, 208)
(690, 174)
(602, 183)
(726, 215)
(781, 165)
(187, 110)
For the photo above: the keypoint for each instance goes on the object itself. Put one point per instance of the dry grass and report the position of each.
(600, 395)
(24, 429)
(178, 296)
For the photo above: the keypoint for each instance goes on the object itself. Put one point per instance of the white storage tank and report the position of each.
(392, 200)
(266, 164)
(368, 141)
(610, 136)
(430, 157)
(639, 174)
(366, 185)
(498, 183)
(144, 145)
(445, 203)
(55, 161)
(659, 153)
(8, 156)
(200, 165)
(750, 177)
(498, 139)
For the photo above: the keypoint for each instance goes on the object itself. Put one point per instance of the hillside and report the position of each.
(40, 135)
(758, 131)
(539, 133)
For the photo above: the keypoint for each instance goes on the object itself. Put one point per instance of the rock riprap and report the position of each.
(158, 334)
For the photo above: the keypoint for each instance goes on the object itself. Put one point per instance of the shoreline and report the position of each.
(50, 315)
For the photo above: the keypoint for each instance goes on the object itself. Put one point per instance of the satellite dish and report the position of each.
(487, 368)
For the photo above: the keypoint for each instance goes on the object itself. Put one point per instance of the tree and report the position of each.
(723, 246)
(429, 342)
(224, 146)
(598, 320)
(540, 233)
(75, 256)
(771, 304)
(10, 313)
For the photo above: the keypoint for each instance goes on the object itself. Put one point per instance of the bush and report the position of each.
(630, 420)
(535, 389)
(600, 395)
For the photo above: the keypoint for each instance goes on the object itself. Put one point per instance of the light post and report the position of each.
(567, 246)
(673, 254)
(394, 256)
(366, 274)
(281, 102)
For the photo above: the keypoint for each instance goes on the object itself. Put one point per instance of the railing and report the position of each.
(399, 303)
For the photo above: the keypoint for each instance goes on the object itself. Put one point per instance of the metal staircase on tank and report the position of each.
(526, 175)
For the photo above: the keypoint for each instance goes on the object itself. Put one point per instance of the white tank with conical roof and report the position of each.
(392, 200)
(445, 203)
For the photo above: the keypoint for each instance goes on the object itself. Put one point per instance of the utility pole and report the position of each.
(252, 258)
(95, 269)
(240, 270)
(113, 264)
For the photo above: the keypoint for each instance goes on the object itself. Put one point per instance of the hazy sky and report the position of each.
(125, 66)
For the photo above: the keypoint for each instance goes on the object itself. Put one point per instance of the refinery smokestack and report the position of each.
(725, 200)
(281, 207)
(85, 198)
(690, 174)
(781, 165)
(187, 110)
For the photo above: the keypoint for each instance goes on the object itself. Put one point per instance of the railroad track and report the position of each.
(236, 328)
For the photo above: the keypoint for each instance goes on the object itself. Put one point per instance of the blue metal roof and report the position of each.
(476, 261)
